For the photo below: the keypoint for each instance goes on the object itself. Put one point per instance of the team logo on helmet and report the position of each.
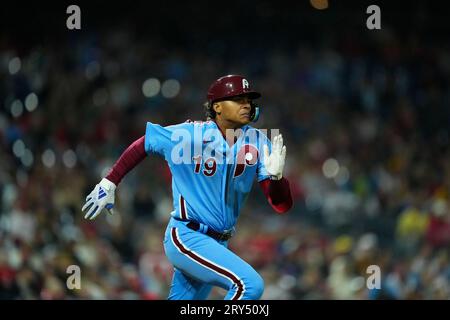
(245, 84)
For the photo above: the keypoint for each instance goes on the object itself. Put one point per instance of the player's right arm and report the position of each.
(157, 139)
(103, 194)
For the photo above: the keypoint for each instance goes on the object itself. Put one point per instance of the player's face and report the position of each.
(236, 110)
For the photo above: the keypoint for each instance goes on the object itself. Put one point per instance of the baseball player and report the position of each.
(212, 174)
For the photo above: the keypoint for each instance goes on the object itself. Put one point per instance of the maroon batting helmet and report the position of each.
(230, 86)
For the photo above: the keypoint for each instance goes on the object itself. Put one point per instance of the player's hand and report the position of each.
(274, 162)
(101, 197)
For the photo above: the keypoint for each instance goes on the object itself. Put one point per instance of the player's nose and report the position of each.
(245, 104)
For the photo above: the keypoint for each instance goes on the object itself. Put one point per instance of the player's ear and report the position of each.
(217, 107)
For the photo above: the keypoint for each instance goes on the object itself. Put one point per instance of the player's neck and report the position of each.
(224, 125)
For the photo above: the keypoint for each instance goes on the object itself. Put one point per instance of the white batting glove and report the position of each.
(101, 197)
(274, 162)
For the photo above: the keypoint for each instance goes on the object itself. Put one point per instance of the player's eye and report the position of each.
(241, 100)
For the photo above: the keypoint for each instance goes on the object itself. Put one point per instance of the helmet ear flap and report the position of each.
(254, 113)
(209, 111)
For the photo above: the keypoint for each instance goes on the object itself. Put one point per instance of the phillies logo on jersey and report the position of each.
(247, 156)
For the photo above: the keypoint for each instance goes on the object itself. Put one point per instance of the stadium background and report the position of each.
(365, 116)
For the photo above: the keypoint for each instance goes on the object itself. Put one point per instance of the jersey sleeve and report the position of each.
(261, 171)
(160, 140)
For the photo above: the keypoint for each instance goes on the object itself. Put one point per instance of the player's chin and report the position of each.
(244, 119)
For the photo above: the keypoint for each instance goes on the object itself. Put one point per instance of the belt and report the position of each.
(219, 236)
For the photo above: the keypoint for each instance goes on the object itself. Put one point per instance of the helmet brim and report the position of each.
(251, 94)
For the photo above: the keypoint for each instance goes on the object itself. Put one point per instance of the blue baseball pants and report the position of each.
(202, 262)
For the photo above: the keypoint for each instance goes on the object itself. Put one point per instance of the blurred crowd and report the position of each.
(366, 127)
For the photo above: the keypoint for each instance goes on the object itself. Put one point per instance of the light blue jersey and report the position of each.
(210, 179)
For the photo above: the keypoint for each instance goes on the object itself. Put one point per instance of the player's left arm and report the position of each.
(276, 188)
